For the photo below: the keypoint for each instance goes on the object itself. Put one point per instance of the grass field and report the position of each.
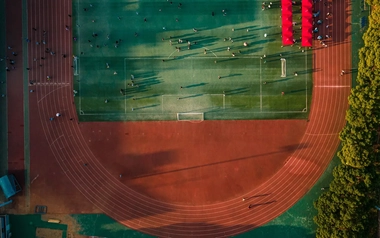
(150, 60)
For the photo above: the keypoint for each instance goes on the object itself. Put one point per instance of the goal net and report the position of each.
(75, 66)
(283, 67)
(190, 116)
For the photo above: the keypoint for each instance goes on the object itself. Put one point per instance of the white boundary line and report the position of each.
(306, 93)
(49, 84)
(224, 101)
(76, 71)
(192, 57)
(191, 113)
(79, 78)
(185, 95)
(80, 93)
(162, 104)
(261, 89)
(211, 52)
(223, 95)
(170, 113)
(42, 98)
(125, 85)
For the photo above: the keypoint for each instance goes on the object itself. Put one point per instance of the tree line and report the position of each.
(349, 207)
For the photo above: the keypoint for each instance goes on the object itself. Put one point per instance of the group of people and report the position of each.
(318, 23)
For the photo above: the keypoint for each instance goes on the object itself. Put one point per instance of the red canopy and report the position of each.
(307, 23)
(287, 24)
(287, 35)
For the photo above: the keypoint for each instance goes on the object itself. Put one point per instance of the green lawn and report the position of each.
(115, 42)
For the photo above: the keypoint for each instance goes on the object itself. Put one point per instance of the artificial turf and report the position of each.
(128, 66)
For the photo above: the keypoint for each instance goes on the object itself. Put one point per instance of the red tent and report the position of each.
(287, 35)
(307, 23)
(287, 24)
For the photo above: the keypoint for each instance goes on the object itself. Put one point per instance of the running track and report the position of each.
(67, 145)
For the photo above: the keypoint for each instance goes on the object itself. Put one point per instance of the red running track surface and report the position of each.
(179, 179)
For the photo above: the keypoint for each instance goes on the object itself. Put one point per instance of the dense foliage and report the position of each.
(348, 207)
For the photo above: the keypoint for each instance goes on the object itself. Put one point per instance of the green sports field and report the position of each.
(163, 60)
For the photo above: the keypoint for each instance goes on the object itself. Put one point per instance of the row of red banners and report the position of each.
(287, 23)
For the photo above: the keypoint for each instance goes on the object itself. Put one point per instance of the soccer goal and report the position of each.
(194, 116)
(283, 67)
(75, 66)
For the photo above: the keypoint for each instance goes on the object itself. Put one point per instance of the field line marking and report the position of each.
(224, 101)
(210, 51)
(306, 80)
(80, 93)
(261, 90)
(79, 45)
(125, 85)
(258, 112)
(49, 84)
(193, 57)
(154, 58)
(51, 93)
(162, 103)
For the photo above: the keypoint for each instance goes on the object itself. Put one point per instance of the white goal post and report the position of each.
(190, 116)
(283, 67)
(75, 66)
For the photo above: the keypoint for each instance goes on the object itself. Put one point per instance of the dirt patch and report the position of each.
(48, 233)
(72, 226)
